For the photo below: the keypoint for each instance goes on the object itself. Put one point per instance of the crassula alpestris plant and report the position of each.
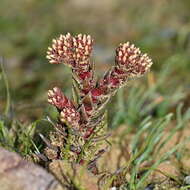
(81, 130)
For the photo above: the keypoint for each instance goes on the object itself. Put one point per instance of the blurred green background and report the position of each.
(160, 28)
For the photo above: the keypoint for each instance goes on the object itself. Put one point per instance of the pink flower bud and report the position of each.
(96, 92)
(58, 99)
(70, 116)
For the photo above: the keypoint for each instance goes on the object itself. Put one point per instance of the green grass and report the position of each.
(146, 146)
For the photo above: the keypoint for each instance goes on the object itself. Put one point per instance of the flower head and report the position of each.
(58, 99)
(70, 116)
(68, 113)
(131, 60)
(72, 51)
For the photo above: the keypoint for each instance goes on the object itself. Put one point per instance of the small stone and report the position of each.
(187, 180)
(113, 188)
(150, 187)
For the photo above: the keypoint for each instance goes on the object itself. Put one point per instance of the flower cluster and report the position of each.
(58, 99)
(74, 52)
(68, 113)
(129, 62)
(83, 121)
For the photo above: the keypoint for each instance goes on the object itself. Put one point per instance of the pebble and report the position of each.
(113, 188)
(187, 180)
(149, 187)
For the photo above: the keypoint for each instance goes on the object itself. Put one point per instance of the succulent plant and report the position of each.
(82, 126)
